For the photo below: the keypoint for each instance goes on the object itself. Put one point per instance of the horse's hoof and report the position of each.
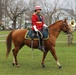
(43, 66)
(18, 65)
(13, 64)
(60, 67)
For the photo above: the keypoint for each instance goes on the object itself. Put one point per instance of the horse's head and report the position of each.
(65, 27)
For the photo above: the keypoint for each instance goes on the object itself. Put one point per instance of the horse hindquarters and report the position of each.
(17, 46)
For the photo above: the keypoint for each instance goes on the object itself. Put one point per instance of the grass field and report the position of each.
(32, 66)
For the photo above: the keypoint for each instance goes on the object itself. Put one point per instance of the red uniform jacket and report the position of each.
(36, 21)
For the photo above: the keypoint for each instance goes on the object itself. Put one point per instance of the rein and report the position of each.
(63, 25)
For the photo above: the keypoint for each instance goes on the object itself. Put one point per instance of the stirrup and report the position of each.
(41, 48)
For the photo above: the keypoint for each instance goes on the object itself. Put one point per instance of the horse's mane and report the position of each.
(55, 23)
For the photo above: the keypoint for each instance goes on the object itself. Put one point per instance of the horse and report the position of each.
(19, 40)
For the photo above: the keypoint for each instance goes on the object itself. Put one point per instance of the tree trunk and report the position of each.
(20, 22)
(14, 24)
(0, 11)
(50, 19)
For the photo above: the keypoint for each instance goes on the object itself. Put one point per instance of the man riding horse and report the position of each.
(37, 26)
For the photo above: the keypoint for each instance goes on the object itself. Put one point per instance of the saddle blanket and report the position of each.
(30, 32)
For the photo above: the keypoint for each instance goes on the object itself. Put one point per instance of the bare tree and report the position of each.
(72, 6)
(50, 8)
(14, 8)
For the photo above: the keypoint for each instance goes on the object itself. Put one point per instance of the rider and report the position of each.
(37, 26)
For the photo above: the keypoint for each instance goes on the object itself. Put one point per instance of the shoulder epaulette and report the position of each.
(34, 13)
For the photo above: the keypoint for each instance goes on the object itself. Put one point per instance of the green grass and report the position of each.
(3, 33)
(3, 38)
(32, 66)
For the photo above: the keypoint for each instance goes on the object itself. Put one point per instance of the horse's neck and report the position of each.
(55, 30)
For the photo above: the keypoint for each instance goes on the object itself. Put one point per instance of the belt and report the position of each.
(38, 22)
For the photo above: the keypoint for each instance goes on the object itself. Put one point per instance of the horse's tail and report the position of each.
(8, 43)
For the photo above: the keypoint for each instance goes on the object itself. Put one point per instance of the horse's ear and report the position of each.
(65, 20)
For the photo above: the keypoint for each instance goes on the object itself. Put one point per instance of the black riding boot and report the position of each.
(41, 46)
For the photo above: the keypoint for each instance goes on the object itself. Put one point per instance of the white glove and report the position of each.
(35, 28)
(45, 25)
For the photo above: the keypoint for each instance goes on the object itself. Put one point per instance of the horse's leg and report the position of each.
(13, 59)
(15, 52)
(55, 56)
(44, 56)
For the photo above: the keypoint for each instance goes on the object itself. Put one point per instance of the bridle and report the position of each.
(64, 25)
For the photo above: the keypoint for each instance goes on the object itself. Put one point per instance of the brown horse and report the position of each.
(18, 38)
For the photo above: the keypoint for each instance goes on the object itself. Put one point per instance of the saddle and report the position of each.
(30, 32)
